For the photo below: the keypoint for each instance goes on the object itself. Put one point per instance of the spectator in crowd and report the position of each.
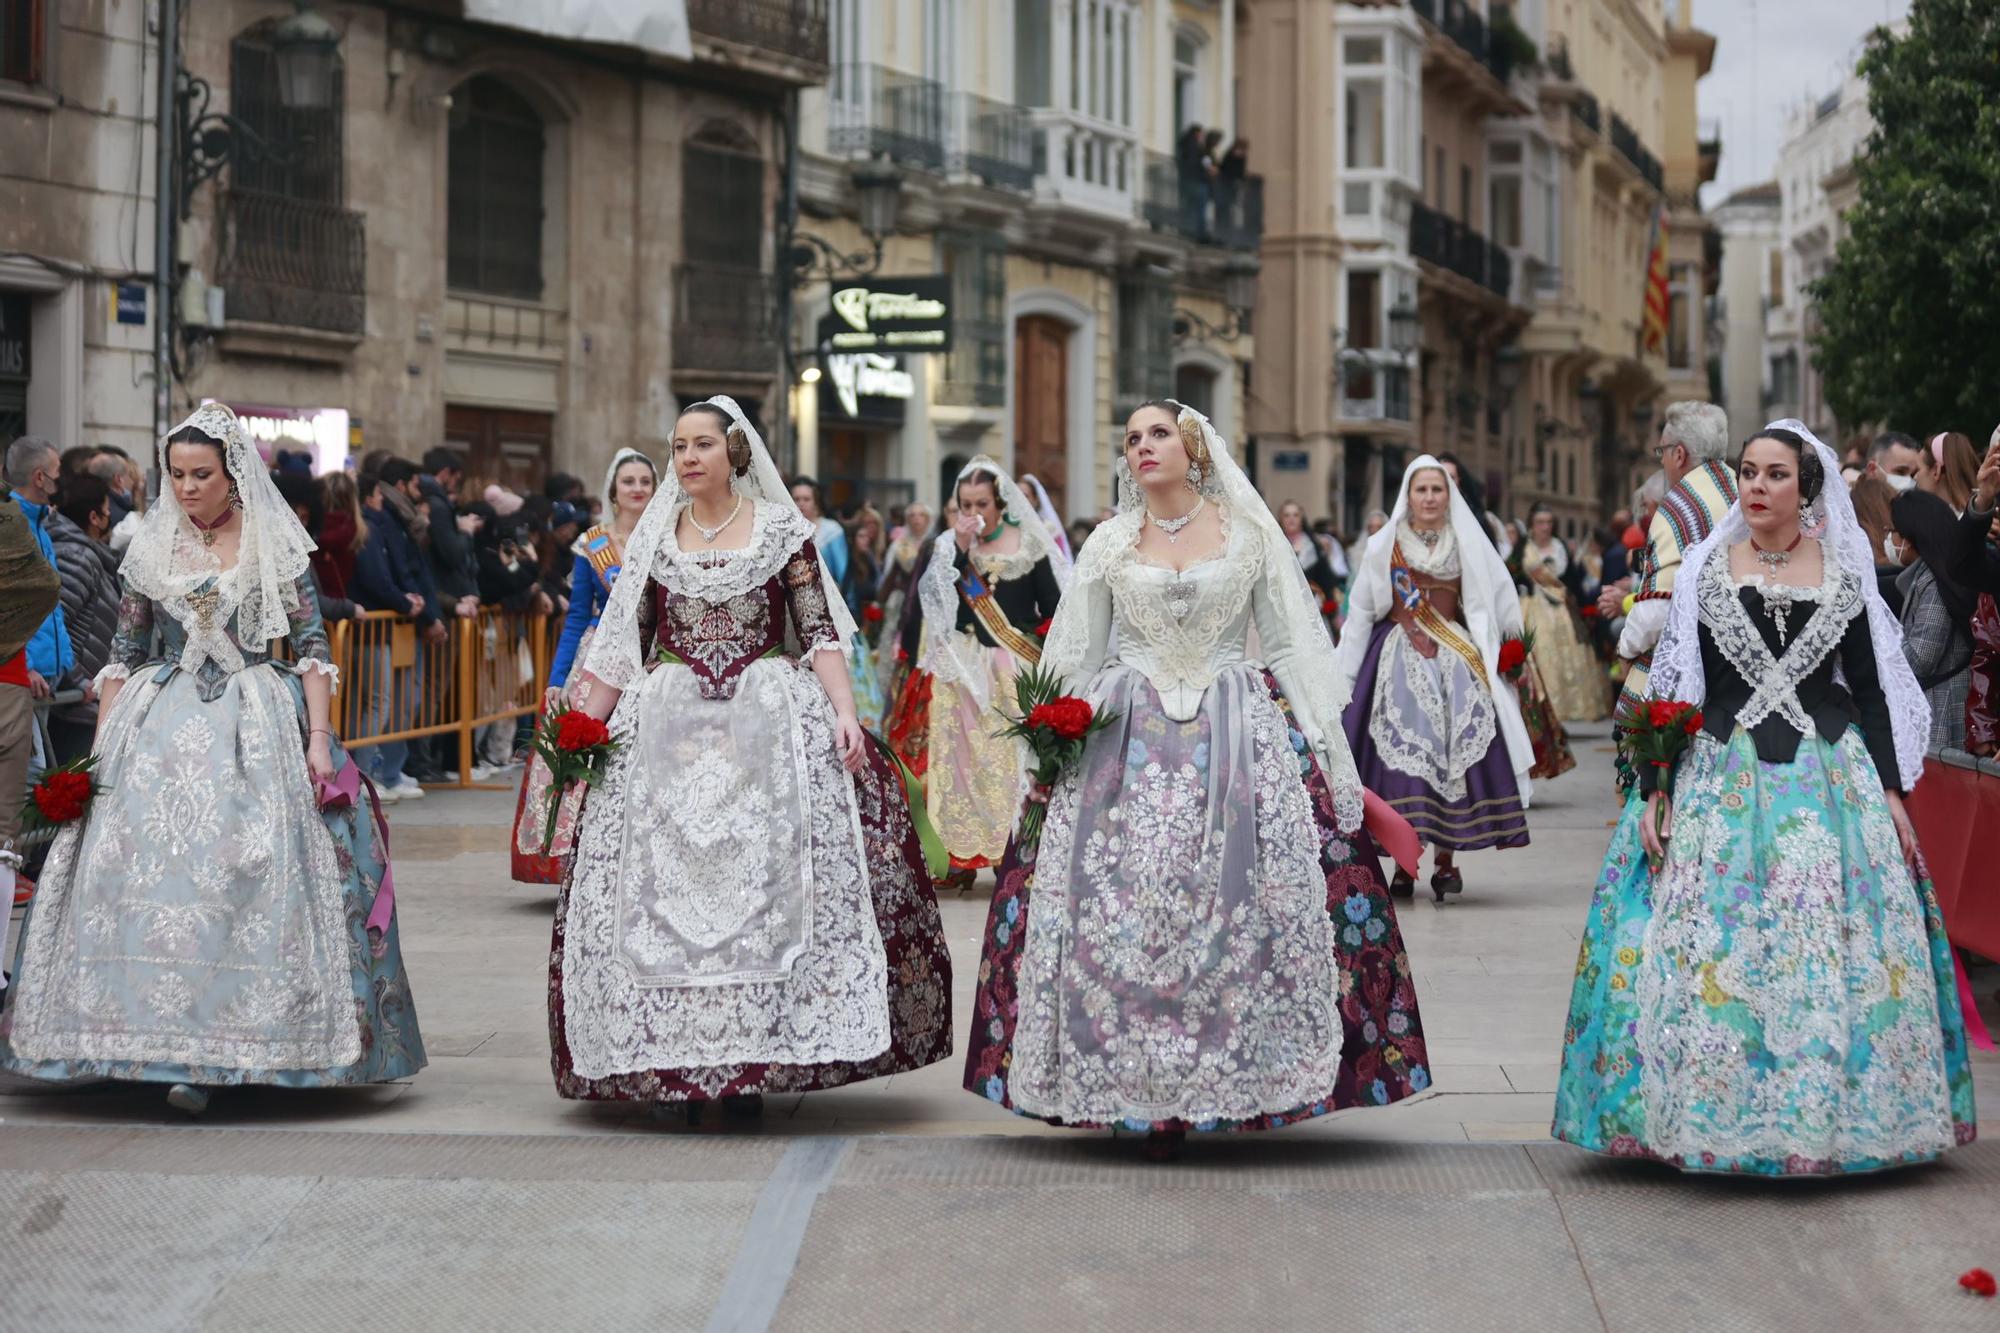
(1936, 612)
(1950, 469)
(454, 568)
(76, 461)
(29, 590)
(128, 493)
(33, 469)
(90, 597)
(1871, 496)
(390, 574)
(1617, 557)
(1896, 459)
(1079, 532)
(564, 488)
(1192, 168)
(303, 494)
(832, 540)
(505, 503)
(1229, 174)
(865, 544)
(341, 532)
(1310, 554)
(509, 578)
(403, 499)
(1975, 555)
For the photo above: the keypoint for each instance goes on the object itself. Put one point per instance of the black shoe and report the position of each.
(1447, 879)
(1404, 885)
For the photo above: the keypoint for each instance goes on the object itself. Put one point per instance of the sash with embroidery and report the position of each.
(1403, 583)
(972, 586)
(601, 550)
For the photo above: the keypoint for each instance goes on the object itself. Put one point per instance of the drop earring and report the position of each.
(1194, 476)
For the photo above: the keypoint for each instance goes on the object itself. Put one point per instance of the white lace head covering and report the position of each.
(1677, 672)
(946, 656)
(1058, 536)
(618, 460)
(1487, 600)
(617, 657)
(167, 558)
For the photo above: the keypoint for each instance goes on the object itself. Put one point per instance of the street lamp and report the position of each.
(1239, 294)
(306, 49)
(878, 196)
(1404, 326)
(1507, 367)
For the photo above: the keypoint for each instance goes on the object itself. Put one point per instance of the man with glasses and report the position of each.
(1693, 451)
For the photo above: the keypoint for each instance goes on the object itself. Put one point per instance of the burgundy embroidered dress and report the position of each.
(743, 916)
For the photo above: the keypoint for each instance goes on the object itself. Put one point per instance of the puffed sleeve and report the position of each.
(307, 634)
(805, 597)
(132, 642)
(1864, 683)
(1080, 637)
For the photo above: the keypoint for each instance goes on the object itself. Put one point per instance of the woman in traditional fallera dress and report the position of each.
(207, 922)
(992, 581)
(1779, 999)
(1577, 685)
(1436, 730)
(899, 576)
(749, 909)
(1200, 938)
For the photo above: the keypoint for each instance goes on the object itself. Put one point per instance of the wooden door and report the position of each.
(1041, 405)
(512, 448)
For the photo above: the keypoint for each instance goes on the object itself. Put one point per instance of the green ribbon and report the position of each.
(935, 857)
(668, 657)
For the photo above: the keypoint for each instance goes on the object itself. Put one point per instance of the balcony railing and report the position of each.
(1626, 140)
(725, 319)
(1462, 24)
(294, 263)
(1086, 162)
(1380, 393)
(795, 29)
(875, 111)
(996, 142)
(484, 323)
(1217, 211)
(1584, 108)
(1450, 244)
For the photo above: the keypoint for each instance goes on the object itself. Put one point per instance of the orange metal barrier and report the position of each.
(397, 685)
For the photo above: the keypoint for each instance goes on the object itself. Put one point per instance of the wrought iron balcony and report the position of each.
(875, 111)
(1626, 140)
(289, 262)
(1463, 26)
(1375, 393)
(1211, 211)
(794, 29)
(725, 319)
(996, 142)
(1584, 108)
(1450, 244)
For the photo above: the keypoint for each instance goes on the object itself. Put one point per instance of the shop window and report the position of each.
(494, 192)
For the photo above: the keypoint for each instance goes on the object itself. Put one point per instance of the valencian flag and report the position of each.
(1654, 324)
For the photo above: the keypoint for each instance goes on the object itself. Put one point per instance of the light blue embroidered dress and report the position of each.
(1780, 1000)
(206, 922)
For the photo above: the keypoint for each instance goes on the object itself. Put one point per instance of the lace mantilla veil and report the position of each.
(616, 656)
(946, 656)
(1677, 672)
(167, 558)
(1316, 703)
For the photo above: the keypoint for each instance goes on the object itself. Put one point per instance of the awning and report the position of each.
(658, 27)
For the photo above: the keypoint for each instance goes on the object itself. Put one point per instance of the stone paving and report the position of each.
(471, 1196)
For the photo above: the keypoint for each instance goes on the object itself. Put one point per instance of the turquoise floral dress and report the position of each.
(206, 921)
(1781, 999)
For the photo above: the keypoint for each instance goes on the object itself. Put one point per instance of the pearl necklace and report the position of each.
(1172, 526)
(709, 534)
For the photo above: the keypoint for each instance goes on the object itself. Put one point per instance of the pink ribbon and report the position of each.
(340, 792)
(1975, 1026)
(1392, 832)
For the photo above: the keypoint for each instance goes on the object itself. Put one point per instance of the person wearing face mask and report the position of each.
(1897, 459)
(1778, 998)
(1871, 497)
(1198, 937)
(221, 912)
(750, 908)
(1436, 730)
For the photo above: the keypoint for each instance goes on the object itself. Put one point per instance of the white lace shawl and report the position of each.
(1677, 671)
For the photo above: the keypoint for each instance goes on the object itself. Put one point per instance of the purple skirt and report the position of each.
(1489, 814)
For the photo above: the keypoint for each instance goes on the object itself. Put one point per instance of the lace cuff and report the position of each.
(824, 644)
(110, 671)
(323, 667)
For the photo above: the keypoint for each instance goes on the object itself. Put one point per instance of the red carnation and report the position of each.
(1067, 716)
(872, 613)
(580, 731)
(62, 795)
(1327, 608)
(1513, 655)
(1633, 538)
(1588, 611)
(1042, 630)
(1692, 723)
(1979, 1282)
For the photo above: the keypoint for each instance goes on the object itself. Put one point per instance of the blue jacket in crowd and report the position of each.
(49, 651)
(389, 566)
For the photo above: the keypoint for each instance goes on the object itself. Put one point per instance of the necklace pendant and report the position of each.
(1180, 597)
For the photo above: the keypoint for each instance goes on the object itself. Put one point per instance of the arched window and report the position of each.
(494, 194)
(722, 197)
(1188, 44)
(726, 317)
(302, 151)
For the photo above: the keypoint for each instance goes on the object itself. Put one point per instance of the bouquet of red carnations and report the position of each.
(62, 795)
(1658, 735)
(1055, 726)
(1514, 655)
(576, 747)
